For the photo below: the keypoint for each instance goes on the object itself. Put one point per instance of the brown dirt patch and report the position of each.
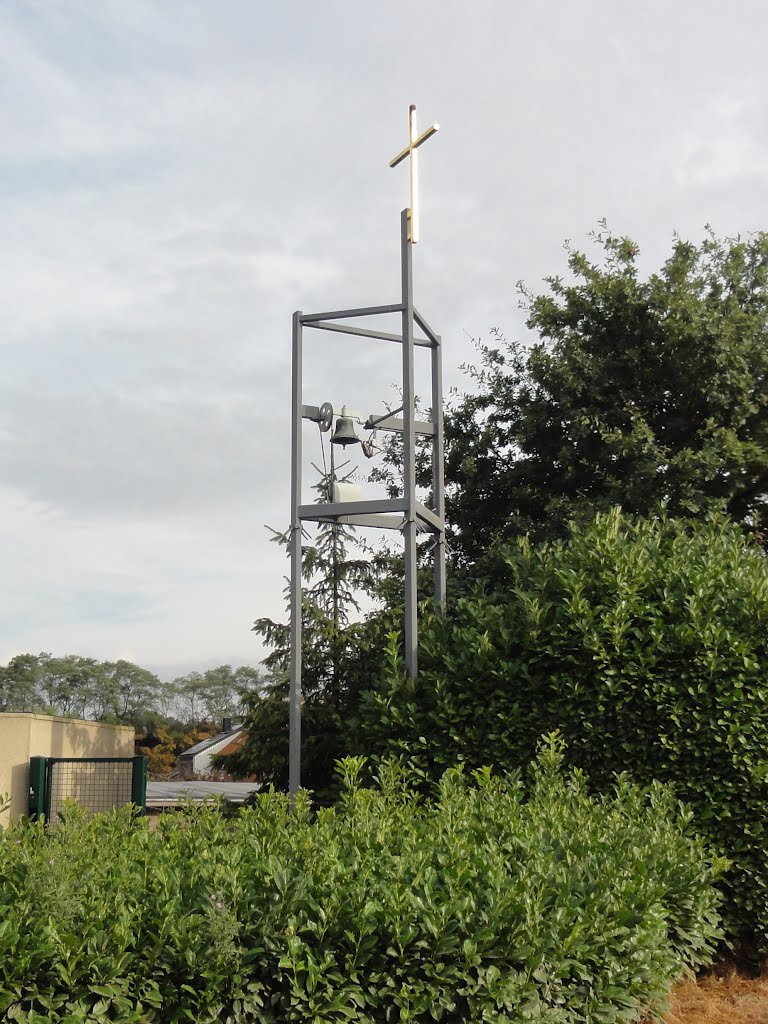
(722, 997)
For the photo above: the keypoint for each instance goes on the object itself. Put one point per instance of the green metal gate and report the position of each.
(96, 783)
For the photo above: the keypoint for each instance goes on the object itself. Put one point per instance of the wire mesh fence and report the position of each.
(97, 784)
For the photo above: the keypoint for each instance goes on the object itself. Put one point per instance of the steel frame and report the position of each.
(405, 514)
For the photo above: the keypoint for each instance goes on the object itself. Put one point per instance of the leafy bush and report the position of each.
(644, 642)
(484, 904)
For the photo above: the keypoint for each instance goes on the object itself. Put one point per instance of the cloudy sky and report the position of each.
(177, 176)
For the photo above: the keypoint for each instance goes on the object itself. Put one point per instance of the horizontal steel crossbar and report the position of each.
(392, 423)
(332, 509)
(364, 332)
(341, 314)
(379, 522)
(377, 512)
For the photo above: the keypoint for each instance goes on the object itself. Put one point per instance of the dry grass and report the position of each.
(722, 997)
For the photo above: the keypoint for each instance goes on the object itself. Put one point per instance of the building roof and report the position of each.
(211, 741)
(171, 794)
(234, 744)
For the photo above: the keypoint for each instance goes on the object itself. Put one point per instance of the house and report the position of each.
(197, 760)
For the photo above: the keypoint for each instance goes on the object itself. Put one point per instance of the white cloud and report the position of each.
(724, 145)
(176, 179)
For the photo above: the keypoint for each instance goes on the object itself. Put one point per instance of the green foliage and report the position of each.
(215, 694)
(119, 691)
(639, 391)
(19, 684)
(125, 691)
(644, 642)
(339, 660)
(486, 904)
(78, 687)
(337, 667)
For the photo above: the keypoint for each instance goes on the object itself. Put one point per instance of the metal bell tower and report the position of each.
(404, 513)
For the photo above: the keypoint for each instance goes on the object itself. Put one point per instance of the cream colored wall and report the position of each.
(14, 762)
(23, 736)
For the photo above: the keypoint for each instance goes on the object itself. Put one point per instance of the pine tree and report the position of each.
(340, 658)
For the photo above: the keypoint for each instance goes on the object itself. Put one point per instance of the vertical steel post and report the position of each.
(47, 787)
(36, 805)
(294, 715)
(438, 469)
(139, 782)
(409, 453)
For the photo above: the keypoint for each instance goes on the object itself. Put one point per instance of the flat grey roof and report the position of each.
(170, 794)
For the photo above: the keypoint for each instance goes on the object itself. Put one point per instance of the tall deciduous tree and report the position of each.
(120, 691)
(215, 694)
(70, 685)
(20, 683)
(639, 391)
(188, 694)
(128, 693)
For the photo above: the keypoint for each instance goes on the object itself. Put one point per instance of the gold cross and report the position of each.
(410, 151)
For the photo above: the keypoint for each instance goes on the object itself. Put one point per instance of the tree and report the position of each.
(643, 642)
(638, 392)
(339, 660)
(129, 693)
(161, 756)
(225, 689)
(188, 694)
(70, 685)
(120, 691)
(19, 683)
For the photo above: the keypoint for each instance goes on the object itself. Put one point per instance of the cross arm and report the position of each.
(414, 145)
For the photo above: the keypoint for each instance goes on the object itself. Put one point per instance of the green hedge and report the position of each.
(493, 902)
(645, 642)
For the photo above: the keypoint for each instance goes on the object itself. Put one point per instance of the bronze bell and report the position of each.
(344, 433)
